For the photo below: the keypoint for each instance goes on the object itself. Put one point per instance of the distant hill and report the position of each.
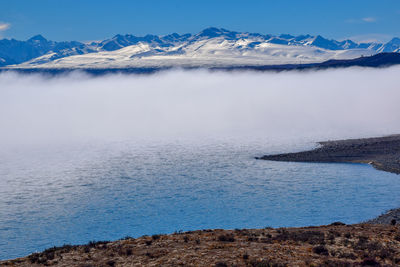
(375, 61)
(379, 60)
(212, 47)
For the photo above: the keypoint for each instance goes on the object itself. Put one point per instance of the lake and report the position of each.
(52, 195)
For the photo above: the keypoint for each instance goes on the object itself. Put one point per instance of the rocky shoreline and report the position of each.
(390, 217)
(381, 152)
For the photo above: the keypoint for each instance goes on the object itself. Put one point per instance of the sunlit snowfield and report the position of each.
(86, 158)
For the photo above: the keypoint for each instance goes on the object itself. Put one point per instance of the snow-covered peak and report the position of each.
(37, 38)
(213, 32)
(211, 46)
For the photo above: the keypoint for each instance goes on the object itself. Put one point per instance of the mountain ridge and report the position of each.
(210, 47)
(380, 60)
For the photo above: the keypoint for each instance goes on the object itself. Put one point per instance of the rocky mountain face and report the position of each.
(210, 47)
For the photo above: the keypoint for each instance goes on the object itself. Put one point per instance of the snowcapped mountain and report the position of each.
(210, 47)
(15, 52)
(392, 46)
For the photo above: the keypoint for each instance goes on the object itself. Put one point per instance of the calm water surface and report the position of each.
(76, 193)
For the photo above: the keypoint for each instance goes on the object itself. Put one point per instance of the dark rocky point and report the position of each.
(381, 152)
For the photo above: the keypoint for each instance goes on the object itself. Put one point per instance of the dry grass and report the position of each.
(333, 245)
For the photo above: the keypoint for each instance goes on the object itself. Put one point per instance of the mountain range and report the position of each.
(212, 47)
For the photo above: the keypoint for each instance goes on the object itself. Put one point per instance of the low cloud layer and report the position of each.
(369, 19)
(332, 103)
(362, 20)
(4, 26)
(370, 38)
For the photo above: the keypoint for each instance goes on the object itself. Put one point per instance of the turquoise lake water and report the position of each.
(54, 195)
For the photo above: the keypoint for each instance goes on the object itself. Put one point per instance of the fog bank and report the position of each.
(192, 104)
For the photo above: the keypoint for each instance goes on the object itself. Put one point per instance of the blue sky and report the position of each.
(86, 20)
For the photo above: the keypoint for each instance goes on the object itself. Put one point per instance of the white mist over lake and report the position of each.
(91, 158)
(175, 104)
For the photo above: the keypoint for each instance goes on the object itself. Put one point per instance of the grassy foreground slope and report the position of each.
(332, 245)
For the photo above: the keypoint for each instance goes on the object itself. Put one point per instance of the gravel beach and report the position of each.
(383, 153)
